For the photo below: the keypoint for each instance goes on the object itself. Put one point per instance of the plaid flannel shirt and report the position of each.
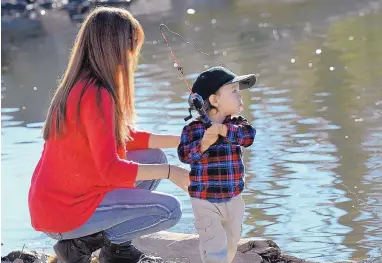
(217, 174)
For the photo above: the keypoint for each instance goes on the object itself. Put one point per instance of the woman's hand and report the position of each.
(180, 177)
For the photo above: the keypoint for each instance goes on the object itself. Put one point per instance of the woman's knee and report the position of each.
(175, 208)
(158, 156)
(148, 156)
(172, 208)
(169, 216)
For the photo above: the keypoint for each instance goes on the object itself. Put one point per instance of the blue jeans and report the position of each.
(125, 214)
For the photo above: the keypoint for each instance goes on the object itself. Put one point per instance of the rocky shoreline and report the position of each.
(183, 248)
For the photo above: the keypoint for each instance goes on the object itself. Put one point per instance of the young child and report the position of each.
(217, 169)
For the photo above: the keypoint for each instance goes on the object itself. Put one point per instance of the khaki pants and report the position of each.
(219, 226)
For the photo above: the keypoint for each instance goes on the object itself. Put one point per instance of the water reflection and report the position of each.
(313, 181)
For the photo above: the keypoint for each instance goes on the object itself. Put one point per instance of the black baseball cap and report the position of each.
(212, 79)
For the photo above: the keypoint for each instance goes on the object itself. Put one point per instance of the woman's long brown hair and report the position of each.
(105, 52)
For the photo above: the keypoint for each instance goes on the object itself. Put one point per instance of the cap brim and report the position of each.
(245, 81)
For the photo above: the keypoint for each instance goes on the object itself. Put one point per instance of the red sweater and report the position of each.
(76, 171)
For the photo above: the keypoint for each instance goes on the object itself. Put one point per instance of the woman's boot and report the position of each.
(125, 253)
(78, 250)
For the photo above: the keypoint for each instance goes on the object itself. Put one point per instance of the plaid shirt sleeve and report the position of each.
(239, 131)
(190, 143)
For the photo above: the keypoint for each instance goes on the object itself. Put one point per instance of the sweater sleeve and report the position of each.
(140, 140)
(240, 132)
(98, 122)
(189, 149)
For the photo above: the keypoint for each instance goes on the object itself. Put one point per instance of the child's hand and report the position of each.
(219, 129)
(216, 128)
(210, 136)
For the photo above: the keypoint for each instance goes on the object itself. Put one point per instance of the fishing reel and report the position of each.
(196, 102)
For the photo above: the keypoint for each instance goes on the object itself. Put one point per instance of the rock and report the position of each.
(20, 255)
(28, 256)
(176, 247)
(266, 249)
(179, 248)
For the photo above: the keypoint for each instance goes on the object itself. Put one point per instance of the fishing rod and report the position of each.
(195, 101)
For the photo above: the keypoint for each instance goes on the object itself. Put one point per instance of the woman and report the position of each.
(92, 187)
